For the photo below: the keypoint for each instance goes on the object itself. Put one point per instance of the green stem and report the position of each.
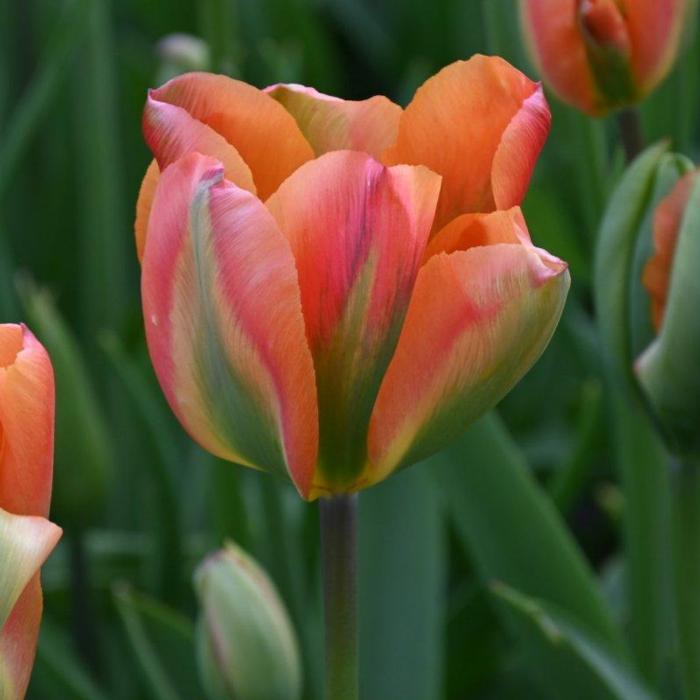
(339, 553)
(686, 505)
(630, 126)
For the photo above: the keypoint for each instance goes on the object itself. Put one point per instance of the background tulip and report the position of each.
(304, 272)
(247, 648)
(26, 464)
(600, 55)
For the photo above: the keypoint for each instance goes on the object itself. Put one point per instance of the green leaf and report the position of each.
(615, 255)
(161, 454)
(35, 103)
(578, 664)
(402, 569)
(84, 465)
(162, 641)
(512, 531)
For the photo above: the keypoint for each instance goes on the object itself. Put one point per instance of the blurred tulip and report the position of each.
(334, 289)
(247, 649)
(601, 55)
(26, 464)
(667, 370)
(82, 457)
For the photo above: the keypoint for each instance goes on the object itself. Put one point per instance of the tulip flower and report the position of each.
(334, 289)
(667, 370)
(600, 55)
(247, 649)
(26, 464)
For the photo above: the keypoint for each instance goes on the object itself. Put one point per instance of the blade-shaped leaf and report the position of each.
(579, 665)
(512, 531)
(402, 564)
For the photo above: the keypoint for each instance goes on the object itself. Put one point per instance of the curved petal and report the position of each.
(667, 224)
(478, 320)
(224, 324)
(654, 28)
(556, 44)
(481, 125)
(143, 205)
(332, 124)
(26, 422)
(260, 129)
(471, 230)
(171, 133)
(358, 231)
(25, 543)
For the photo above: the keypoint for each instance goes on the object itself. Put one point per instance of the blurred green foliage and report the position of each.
(525, 499)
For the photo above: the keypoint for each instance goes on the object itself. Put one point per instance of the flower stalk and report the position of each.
(339, 554)
(686, 505)
(631, 135)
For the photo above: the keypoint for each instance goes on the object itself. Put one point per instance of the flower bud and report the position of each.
(646, 294)
(668, 368)
(247, 648)
(180, 53)
(600, 55)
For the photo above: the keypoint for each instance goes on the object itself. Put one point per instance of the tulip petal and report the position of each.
(332, 124)
(654, 27)
(171, 133)
(667, 224)
(25, 543)
(481, 125)
(26, 422)
(358, 232)
(555, 41)
(260, 129)
(143, 205)
(224, 324)
(471, 230)
(477, 322)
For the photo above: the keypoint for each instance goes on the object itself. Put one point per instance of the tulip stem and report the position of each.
(631, 134)
(339, 555)
(686, 506)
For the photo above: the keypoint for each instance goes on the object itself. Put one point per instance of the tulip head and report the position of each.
(667, 370)
(247, 649)
(26, 463)
(329, 291)
(601, 55)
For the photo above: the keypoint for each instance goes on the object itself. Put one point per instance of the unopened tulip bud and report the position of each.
(180, 53)
(646, 294)
(247, 646)
(601, 55)
(668, 368)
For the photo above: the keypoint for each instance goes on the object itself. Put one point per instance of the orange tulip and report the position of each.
(334, 289)
(26, 465)
(600, 55)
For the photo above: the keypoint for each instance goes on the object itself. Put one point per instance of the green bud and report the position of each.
(668, 368)
(82, 458)
(626, 308)
(247, 649)
(181, 53)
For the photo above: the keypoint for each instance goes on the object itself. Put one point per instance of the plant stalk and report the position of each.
(686, 505)
(339, 556)
(630, 126)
